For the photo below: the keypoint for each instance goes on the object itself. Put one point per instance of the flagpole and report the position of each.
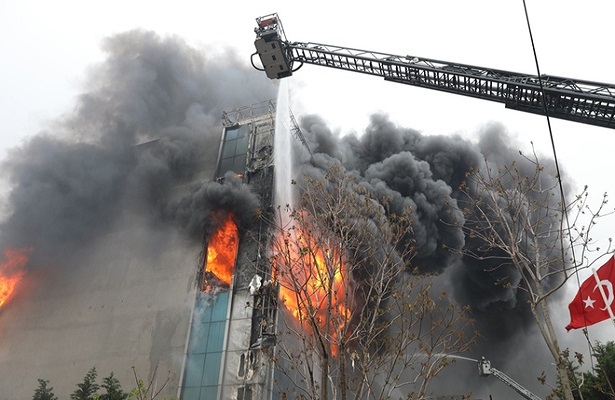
(604, 298)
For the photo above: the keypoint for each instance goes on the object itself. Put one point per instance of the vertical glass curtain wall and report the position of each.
(203, 359)
(234, 150)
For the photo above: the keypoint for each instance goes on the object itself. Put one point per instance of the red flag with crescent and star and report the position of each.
(589, 307)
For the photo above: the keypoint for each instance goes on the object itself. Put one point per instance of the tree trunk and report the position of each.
(324, 377)
(342, 359)
(557, 353)
(549, 336)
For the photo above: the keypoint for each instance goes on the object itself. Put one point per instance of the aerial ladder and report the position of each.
(485, 369)
(569, 99)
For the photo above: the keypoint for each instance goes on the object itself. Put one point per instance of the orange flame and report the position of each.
(11, 272)
(222, 250)
(314, 290)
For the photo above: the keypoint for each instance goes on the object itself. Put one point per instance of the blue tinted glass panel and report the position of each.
(239, 163)
(198, 338)
(202, 308)
(194, 370)
(231, 133)
(242, 145)
(220, 307)
(242, 131)
(191, 393)
(205, 349)
(209, 392)
(216, 336)
(211, 371)
(229, 149)
(225, 166)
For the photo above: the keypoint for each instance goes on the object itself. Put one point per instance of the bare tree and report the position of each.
(360, 323)
(515, 216)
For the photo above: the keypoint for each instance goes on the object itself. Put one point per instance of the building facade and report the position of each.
(232, 333)
(143, 308)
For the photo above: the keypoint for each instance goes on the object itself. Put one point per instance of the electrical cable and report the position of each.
(559, 176)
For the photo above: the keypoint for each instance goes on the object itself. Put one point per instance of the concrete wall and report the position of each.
(122, 300)
(129, 307)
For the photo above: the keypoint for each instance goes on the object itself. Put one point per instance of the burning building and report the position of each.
(197, 318)
(116, 218)
(114, 213)
(232, 333)
(108, 222)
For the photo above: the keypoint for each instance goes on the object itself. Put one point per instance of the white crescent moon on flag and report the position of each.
(608, 285)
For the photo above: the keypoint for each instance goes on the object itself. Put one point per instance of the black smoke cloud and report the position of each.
(145, 125)
(425, 173)
(411, 170)
(193, 211)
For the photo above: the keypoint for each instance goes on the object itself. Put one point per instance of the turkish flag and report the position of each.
(588, 307)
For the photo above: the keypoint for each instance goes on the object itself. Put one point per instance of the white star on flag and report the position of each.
(589, 302)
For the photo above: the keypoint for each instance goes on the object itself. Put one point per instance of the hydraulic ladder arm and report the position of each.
(485, 369)
(574, 100)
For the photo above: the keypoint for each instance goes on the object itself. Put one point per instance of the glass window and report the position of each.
(219, 309)
(243, 131)
(244, 393)
(203, 306)
(225, 165)
(192, 394)
(239, 163)
(211, 372)
(229, 149)
(194, 370)
(209, 392)
(234, 150)
(205, 347)
(242, 145)
(231, 133)
(242, 366)
(198, 339)
(216, 336)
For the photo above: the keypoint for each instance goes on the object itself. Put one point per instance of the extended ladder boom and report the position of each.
(575, 100)
(485, 369)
